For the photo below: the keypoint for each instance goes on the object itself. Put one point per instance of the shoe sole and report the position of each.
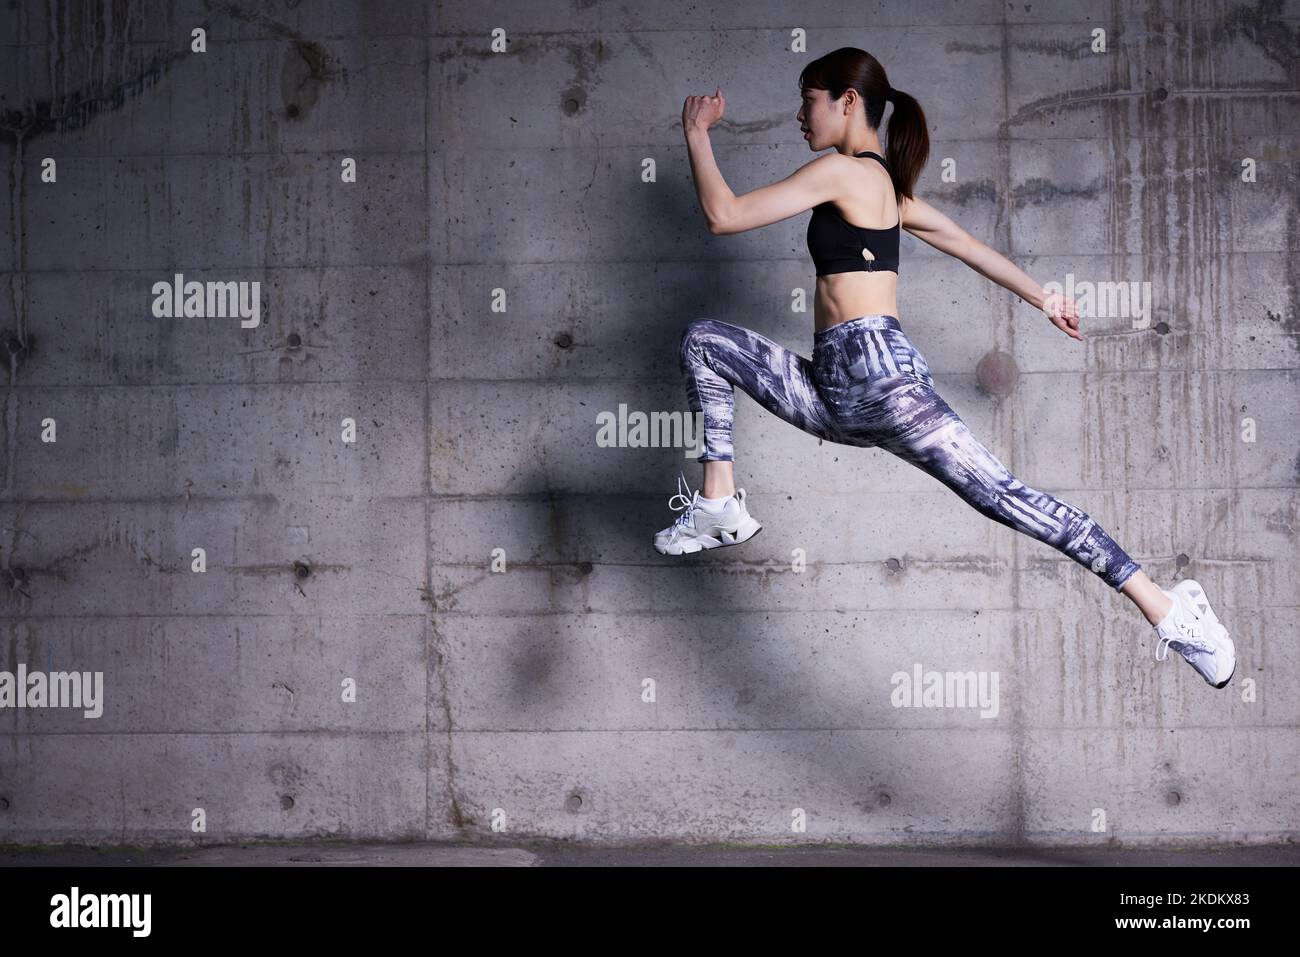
(1222, 636)
(1219, 633)
(748, 528)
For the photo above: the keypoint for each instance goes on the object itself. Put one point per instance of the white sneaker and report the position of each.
(1193, 630)
(698, 528)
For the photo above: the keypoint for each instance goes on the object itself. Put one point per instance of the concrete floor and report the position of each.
(317, 854)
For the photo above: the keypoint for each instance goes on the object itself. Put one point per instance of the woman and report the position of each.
(866, 384)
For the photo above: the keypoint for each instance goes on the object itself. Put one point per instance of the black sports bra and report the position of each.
(836, 244)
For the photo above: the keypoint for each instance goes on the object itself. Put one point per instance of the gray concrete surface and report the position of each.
(556, 854)
(593, 691)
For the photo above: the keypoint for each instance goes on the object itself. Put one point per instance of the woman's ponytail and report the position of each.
(907, 145)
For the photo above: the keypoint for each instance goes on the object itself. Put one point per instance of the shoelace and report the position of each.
(687, 500)
(1191, 638)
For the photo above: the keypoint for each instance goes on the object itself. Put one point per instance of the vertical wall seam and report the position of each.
(1004, 424)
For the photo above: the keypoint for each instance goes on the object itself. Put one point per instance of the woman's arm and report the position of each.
(926, 223)
(714, 193)
(812, 183)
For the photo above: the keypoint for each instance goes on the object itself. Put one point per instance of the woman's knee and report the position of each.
(988, 501)
(986, 491)
(692, 337)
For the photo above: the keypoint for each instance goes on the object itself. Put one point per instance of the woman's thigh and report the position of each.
(717, 355)
(878, 389)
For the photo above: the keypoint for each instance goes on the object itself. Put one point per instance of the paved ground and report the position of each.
(323, 854)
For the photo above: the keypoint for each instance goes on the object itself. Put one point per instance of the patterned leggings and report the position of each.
(867, 385)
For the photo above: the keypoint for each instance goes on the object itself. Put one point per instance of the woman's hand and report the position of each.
(1063, 313)
(701, 112)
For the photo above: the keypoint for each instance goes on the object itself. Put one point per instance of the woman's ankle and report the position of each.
(719, 480)
(1150, 598)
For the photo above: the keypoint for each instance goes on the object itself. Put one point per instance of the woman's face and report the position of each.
(816, 116)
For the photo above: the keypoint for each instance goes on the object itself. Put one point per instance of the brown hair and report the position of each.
(907, 142)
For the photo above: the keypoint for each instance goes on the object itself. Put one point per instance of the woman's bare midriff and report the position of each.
(842, 296)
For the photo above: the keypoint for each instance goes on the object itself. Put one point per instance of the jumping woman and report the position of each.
(866, 384)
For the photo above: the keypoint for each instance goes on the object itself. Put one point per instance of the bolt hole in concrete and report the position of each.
(301, 570)
(893, 564)
(286, 802)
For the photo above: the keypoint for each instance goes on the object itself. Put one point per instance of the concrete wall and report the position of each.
(518, 697)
